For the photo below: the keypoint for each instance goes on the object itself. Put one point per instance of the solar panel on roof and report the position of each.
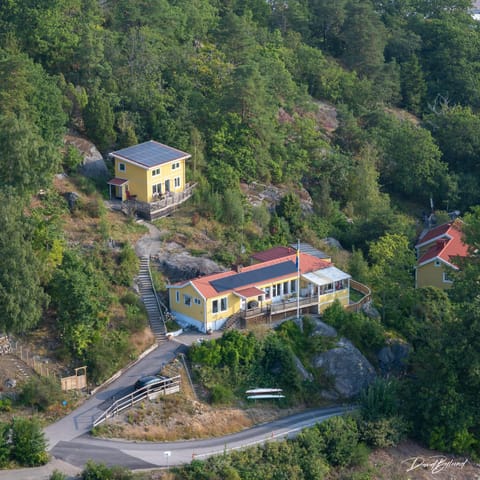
(254, 276)
(150, 153)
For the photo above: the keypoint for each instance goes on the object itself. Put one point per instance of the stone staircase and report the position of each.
(155, 315)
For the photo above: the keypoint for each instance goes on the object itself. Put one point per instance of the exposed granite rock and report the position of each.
(301, 369)
(332, 242)
(370, 311)
(393, 358)
(322, 329)
(178, 265)
(93, 165)
(349, 369)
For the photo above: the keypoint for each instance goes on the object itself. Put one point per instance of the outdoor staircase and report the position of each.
(149, 298)
(232, 322)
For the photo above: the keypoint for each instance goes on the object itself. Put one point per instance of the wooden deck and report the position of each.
(162, 207)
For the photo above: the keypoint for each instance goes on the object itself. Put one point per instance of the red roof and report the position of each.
(446, 243)
(117, 182)
(249, 292)
(272, 253)
(308, 263)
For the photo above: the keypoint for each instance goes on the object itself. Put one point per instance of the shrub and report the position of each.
(221, 394)
(40, 392)
(99, 471)
(28, 442)
(57, 475)
(384, 432)
(341, 439)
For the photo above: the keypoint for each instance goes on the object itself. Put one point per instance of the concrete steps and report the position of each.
(150, 301)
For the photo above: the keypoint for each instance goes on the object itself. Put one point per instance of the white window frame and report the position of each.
(187, 300)
(438, 263)
(155, 172)
(177, 296)
(445, 278)
(122, 167)
(157, 189)
(293, 285)
(215, 306)
(176, 182)
(223, 304)
(197, 301)
(175, 165)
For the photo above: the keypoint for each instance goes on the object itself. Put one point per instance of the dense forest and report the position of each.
(239, 84)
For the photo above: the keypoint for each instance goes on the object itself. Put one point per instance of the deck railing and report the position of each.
(163, 206)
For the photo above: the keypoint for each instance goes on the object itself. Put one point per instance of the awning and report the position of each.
(325, 276)
(249, 292)
(117, 182)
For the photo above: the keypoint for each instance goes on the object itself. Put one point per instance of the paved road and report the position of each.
(143, 455)
(71, 446)
(80, 421)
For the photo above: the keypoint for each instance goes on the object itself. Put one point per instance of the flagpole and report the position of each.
(298, 279)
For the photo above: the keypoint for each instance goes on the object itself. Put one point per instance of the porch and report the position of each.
(162, 207)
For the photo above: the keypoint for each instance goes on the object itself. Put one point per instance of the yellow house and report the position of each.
(150, 174)
(265, 291)
(436, 252)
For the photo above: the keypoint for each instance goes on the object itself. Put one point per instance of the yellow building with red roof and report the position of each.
(437, 251)
(268, 290)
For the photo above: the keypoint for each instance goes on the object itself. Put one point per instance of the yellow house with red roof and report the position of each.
(266, 291)
(437, 251)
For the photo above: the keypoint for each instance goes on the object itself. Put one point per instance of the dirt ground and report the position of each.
(410, 461)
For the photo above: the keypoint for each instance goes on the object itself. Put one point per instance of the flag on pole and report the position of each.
(297, 259)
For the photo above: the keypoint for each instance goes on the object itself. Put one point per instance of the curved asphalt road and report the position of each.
(71, 445)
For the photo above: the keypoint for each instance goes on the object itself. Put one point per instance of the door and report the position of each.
(167, 185)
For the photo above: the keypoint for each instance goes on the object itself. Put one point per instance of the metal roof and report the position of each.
(254, 276)
(150, 154)
(326, 276)
(307, 248)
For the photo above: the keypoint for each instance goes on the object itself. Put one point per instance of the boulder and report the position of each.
(332, 242)
(302, 370)
(93, 164)
(180, 265)
(370, 311)
(393, 358)
(349, 370)
(322, 329)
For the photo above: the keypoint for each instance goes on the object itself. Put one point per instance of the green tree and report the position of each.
(391, 277)
(28, 442)
(21, 295)
(100, 119)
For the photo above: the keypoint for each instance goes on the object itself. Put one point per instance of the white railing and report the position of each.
(165, 387)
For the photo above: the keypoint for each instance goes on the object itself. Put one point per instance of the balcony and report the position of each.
(162, 207)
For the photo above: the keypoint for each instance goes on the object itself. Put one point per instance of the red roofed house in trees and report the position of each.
(437, 251)
(260, 293)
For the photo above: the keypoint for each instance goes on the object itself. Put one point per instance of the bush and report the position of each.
(99, 471)
(220, 394)
(341, 439)
(57, 475)
(384, 432)
(28, 442)
(40, 392)
(136, 318)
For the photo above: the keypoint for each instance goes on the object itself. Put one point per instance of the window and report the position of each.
(437, 263)
(175, 165)
(223, 304)
(293, 286)
(215, 306)
(157, 189)
(267, 292)
(177, 296)
(122, 167)
(155, 172)
(285, 288)
(447, 278)
(177, 182)
(277, 290)
(197, 301)
(187, 300)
